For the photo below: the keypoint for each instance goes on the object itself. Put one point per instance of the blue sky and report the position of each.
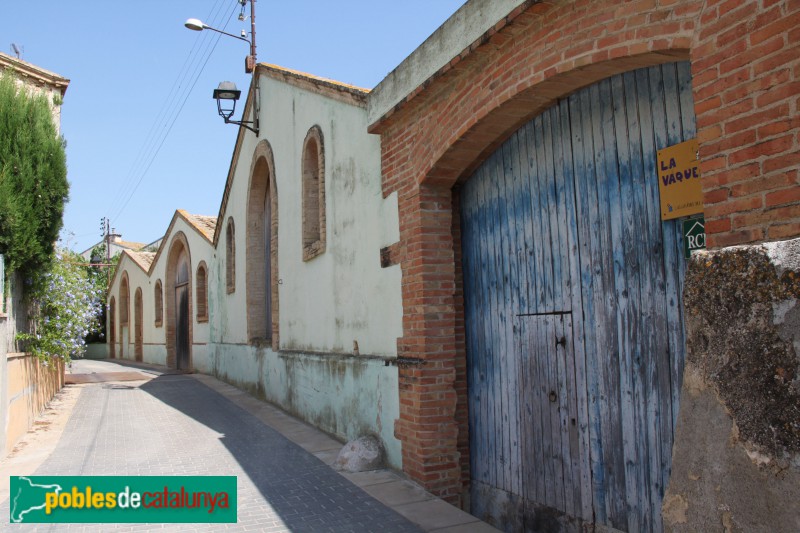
(138, 113)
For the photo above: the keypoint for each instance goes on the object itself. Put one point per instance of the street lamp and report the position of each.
(227, 94)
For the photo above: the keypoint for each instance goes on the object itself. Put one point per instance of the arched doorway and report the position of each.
(112, 328)
(178, 311)
(124, 319)
(572, 297)
(138, 330)
(182, 316)
(262, 249)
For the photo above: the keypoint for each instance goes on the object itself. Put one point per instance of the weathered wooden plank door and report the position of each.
(182, 314)
(574, 329)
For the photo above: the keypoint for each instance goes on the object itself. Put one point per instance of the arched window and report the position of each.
(124, 298)
(261, 249)
(112, 327)
(230, 257)
(202, 293)
(313, 194)
(138, 329)
(159, 300)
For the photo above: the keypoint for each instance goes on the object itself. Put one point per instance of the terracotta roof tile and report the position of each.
(315, 79)
(143, 259)
(130, 245)
(204, 224)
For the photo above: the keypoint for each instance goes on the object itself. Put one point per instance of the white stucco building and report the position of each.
(286, 295)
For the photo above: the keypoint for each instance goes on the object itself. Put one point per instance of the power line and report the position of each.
(190, 73)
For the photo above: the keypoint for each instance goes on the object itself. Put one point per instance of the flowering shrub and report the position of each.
(67, 304)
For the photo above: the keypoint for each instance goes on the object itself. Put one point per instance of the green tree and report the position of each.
(99, 276)
(68, 306)
(33, 179)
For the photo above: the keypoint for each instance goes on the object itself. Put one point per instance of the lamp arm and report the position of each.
(243, 123)
(226, 33)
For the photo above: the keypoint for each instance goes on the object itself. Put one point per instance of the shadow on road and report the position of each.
(304, 493)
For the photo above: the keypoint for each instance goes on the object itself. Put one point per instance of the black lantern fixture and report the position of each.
(226, 94)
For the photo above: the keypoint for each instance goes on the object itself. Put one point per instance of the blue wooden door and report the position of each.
(573, 310)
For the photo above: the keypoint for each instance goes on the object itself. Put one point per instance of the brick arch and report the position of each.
(124, 313)
(262, 182)
(313, 176)
(112, 328)
(138, 326)
(201, 280)
(439, 135)
(177, 246)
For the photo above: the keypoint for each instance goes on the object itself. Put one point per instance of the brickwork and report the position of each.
(745, 63)
(124, 299)
(177, 248)
(261, 325)
(138, 328)
(746, 68)
(230, 256)
(313, 194)
(201, 280)
(112, 328)
(158, 295)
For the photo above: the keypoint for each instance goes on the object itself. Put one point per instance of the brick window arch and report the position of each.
(158, 294)
(124, 298)
(112, 327)
(313, 166)
(230, 256)
(201, 282)
(261, 249)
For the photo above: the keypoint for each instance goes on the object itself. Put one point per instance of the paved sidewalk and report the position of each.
(170, 424)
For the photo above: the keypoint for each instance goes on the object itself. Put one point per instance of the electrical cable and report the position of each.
(155, 140)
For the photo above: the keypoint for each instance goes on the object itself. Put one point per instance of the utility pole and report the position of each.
(250, 61)
(105, 227)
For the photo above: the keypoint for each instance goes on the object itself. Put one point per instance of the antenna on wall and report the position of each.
(17, 50)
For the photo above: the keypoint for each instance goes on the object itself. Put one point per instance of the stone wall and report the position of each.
(736, 460)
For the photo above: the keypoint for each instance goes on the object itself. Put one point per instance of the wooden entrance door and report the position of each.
(183, 338)
(574, 326)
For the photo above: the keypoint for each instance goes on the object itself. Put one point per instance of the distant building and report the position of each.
(38, 81)
(117, 246)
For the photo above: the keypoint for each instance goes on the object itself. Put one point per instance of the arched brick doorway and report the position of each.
(124, 316)
(178, 292)
(262, 249)
(112, 328)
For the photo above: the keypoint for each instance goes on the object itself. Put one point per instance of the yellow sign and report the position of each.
(679, 180)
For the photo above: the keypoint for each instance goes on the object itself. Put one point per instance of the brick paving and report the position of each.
(175, 425)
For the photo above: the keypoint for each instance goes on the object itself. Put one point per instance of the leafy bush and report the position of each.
(68, 302)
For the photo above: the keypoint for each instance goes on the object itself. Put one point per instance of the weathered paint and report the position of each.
(330, 302)
(346, 396)
(572, 306)
(342, 295)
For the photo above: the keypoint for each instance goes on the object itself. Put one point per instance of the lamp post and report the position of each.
(227, 92)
